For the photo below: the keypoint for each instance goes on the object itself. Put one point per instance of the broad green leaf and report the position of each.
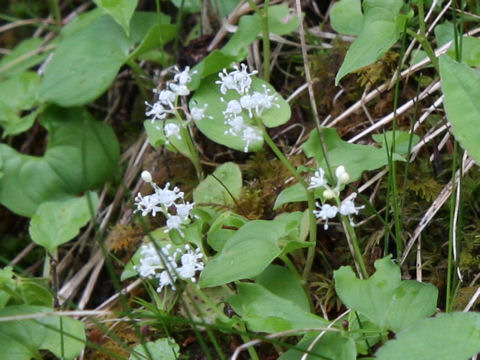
(120, 10)
(281, 282)
(402, 141)
(215, 128)
(218, 188)
(462, 102)
(294, 193)
(470, 51)
(369, 297)
(346, 17)
(250, 250)
(356, 158)
(22, 57)
(332, 345)
(161, 349)
(264, 311)
(157, 36)
(379, 32)
(444, 33)
(22, 339)
(280, 21)
(81, 155)
(56, 222)
(384, 299)
(411, 301)
(85, 63)
(224, 226)
(444, 337)
(18, 93)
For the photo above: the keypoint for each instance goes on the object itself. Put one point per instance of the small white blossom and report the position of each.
(174, 222)
(167, 97)
(251, 135)
(147, 204)
(248, 103)
(198, 113)
(238, 80)
(157, 111)
(183, 210)
(342, 175)
(180, 90)
(183, 77)
(348, 208)
(190, 264)
(237, 124)
(318, 179)
(233, 108)
(172, 129)
(326, 212)
(263, 100)
(167, 197)
(166, 278)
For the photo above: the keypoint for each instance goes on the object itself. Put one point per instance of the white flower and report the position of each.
(174, 222)
(348, 208)
(167, 97)
(342, 175)
(263, 100)
(198, 113)
(183, 77)
(251, 135)
(157, 110)
(238, 80)
(326, 212)
(146, 204)
(180, 90)
(167, 197)
(172, 129)
(183, 210)
(237, 124)
(233, 108)
(146, 176)
(191, 263)
(166, 278)
(248, 103)
(318, 179)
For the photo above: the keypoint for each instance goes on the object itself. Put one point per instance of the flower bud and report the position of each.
(342, 175)
(329, 194)
(146, 176)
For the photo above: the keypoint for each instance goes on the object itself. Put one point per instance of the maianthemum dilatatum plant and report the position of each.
(211, 268)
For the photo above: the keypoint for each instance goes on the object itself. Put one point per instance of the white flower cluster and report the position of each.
(162, 200)
(249, 105)
(167, 265)
(167, 103)
(327, 211)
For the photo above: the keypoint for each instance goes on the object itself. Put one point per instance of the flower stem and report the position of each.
(356, 248)
(309, 193)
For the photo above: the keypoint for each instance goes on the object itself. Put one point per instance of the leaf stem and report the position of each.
(310, 198)
(263, 14)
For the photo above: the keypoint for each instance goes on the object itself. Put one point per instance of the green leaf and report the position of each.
(81, 155)
(18, 93)
(120, 10)
(22, 57)
(332, 345)
(370, 297)
(224, 226)
(445, 337)
(157, 36)
(379, 32)
(402, 141)
(462, 102)
(470, 51)
(161, 349)
(281, 282)
(383, 298)
(85, 63)
(444, 33)
(250, 250)
(411, 301)
(265, 312)
(22, 339)
(356, 158)
(346, 17)
(56, 222)
(213, 124)
(218, 188)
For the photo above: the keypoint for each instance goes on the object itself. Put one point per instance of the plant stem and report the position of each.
(356, 248)
(309, 193)
(263, 14)
(448, 301)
